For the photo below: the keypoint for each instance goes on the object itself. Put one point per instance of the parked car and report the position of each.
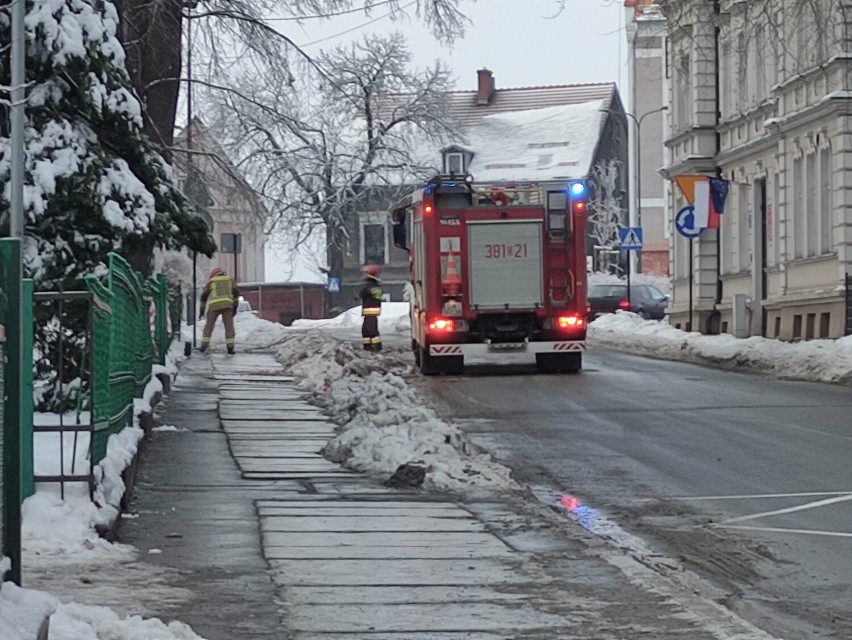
(645, 299)
(244, 305)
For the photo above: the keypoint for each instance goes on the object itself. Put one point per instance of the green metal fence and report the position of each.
(132, 323)
(124, 348)
(158, 290)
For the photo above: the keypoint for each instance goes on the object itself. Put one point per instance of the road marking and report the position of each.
(761, 495)
(801, 507)
(745, 527)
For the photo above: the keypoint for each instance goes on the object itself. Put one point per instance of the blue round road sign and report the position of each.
(685, 223)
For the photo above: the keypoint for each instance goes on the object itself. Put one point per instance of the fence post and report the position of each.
(27, 465)
(10, 284)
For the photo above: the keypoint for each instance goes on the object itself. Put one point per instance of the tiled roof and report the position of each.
(464, 107)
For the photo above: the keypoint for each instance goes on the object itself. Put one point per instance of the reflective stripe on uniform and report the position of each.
(371, 311)
(221, 290)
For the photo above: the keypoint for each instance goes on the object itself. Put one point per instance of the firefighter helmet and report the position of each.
(371, 270)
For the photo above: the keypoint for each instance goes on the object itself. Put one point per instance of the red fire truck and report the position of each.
(495, 269)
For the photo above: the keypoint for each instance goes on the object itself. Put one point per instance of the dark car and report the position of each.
(645, 299)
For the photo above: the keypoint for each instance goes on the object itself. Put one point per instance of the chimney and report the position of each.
(485, 86)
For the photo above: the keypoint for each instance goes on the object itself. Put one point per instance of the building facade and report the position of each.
(760, 95)
(647, 100)
(370, 237)
(233, 212)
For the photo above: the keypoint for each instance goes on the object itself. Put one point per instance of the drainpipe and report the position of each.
(717, 12)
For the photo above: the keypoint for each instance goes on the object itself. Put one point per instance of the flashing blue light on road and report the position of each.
(577, 189)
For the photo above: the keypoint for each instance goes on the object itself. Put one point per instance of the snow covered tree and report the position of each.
(605, 214)
(94, 183)
(322, 145)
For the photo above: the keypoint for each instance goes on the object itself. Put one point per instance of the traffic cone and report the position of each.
(452, 280)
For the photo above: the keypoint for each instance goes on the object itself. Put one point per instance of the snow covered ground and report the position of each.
(384, 424)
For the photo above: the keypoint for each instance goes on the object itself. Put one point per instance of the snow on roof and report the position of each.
(539, 145)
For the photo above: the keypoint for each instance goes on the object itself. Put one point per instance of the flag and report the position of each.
(701, 195)
(686, 184)
(707, 196)
(719, 193)
(713, 218)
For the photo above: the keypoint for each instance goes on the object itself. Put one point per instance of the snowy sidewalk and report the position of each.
(222, 508)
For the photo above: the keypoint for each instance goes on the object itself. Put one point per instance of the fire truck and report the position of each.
(495, 269)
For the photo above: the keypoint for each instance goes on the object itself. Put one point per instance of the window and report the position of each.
(825, 216)
(374, 244)
(743, 215)
(725, 80)
(683, 88)
(774, 213)
(760, 87)
(824, 324)
(454, 163)
(811, 212)
(727, 239)
(798, 214)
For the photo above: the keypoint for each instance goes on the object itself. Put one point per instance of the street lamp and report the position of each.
(638, 221)
(638, 152)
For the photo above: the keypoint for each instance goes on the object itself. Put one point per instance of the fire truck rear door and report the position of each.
(505, 264)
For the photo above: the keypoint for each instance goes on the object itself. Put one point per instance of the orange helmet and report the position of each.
(216, 272)
(372, 270)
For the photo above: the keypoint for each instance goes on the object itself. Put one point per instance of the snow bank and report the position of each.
(23, 610)
(819, 360)
(384, 422)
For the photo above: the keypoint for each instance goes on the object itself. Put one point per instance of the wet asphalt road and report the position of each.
(746, 480)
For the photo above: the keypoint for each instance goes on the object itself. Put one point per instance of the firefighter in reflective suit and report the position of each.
(223, 297)
(371, 308)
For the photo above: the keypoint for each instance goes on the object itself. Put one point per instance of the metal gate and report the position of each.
(69, 355)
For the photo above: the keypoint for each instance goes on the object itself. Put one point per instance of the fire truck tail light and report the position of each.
(569, 322)
(624, 304)
(427, 209)
(442, 325)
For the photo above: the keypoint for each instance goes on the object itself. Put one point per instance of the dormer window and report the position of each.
(454, 164)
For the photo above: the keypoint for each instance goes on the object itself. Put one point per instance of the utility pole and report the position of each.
(190, 5)
(13, 379)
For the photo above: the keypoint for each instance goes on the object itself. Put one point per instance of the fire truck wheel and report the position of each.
(554, 362)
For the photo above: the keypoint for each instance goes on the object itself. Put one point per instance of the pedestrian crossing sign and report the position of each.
(631, 238)
(333, 284)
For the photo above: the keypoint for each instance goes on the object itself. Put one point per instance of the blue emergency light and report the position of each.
(577, 188)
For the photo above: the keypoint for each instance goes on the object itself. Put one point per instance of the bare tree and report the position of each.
(605, 213)
(236, 31)
(319, 147)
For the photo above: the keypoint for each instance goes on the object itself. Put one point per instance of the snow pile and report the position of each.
(395, 317)
(822, 360)
(249, 331)
(22, 612)
(384, 423)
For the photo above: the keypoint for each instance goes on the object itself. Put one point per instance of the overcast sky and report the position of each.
(519, 40)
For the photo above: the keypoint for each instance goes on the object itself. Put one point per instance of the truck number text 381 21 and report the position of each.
(500, 251)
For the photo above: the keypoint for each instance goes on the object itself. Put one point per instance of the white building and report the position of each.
(232, 209)
(761, 93)
(647, 94)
